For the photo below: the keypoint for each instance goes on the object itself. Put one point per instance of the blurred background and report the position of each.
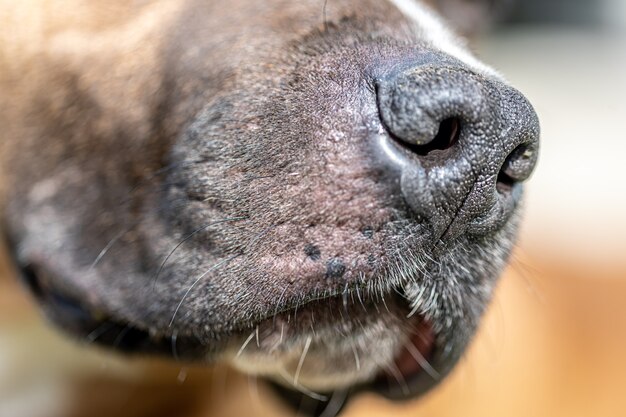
(554, 340)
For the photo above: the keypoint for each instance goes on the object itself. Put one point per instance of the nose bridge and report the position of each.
(465, 176)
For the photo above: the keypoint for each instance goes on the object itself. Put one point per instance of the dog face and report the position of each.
(323, 196)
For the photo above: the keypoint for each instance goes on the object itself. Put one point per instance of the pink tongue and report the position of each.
(415, 354)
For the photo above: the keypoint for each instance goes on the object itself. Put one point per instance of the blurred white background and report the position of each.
(569, 59)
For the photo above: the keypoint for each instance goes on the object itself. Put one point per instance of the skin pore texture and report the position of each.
(251, 182)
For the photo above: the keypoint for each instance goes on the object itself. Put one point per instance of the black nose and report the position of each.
(463, 143)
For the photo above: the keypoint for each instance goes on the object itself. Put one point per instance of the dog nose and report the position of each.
(463, 143)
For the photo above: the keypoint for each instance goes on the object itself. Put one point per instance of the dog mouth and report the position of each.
(408, 355)
(406, 374)
(405, 355)
(410, 363)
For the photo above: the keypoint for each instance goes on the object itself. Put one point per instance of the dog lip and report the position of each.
(443, 358)
(412, 359)
(419, 365)
(412, 367)
(416, 369)
(69, 313)
(348, 296)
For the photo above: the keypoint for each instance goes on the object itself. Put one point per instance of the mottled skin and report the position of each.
(206, 180)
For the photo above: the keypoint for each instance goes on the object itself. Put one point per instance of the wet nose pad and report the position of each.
(462, 142)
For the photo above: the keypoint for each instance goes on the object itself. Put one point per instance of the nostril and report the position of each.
(504, 183)
(447, 135)
(517, 166)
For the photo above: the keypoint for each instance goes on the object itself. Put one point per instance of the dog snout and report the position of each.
(463, 143)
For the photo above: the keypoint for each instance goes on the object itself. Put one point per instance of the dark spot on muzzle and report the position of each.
(312, 251)
(461, 143)
(335, 268)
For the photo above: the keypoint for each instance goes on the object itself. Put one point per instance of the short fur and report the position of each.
(198, 175)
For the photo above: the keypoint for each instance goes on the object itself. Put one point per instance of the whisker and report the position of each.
(385, 303)
(526, 273)
(108, 247)
(356, 356)
(99, 331)
(186, 238)
(307, 345)
(519, 254)
(301, 389)
(257, 237)
(253, 392)
(245, 344)
(182, 375)
(324, 20)
(358, 295)
(163, 170)
(280, 300)
(344, 298)
(397, 375)
(421, 360)
(117, 237)
(121, 336)
(182, 300)
(337, 400)
(282, 332)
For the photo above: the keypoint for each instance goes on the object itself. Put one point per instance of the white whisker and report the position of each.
(356, 357)
(182, 300)
(421, 360)
(303, 390)
(302, 357)
(393, 369)
(245, 344)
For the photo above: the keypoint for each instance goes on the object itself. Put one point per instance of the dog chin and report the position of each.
(399, 342)
(348, 342)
